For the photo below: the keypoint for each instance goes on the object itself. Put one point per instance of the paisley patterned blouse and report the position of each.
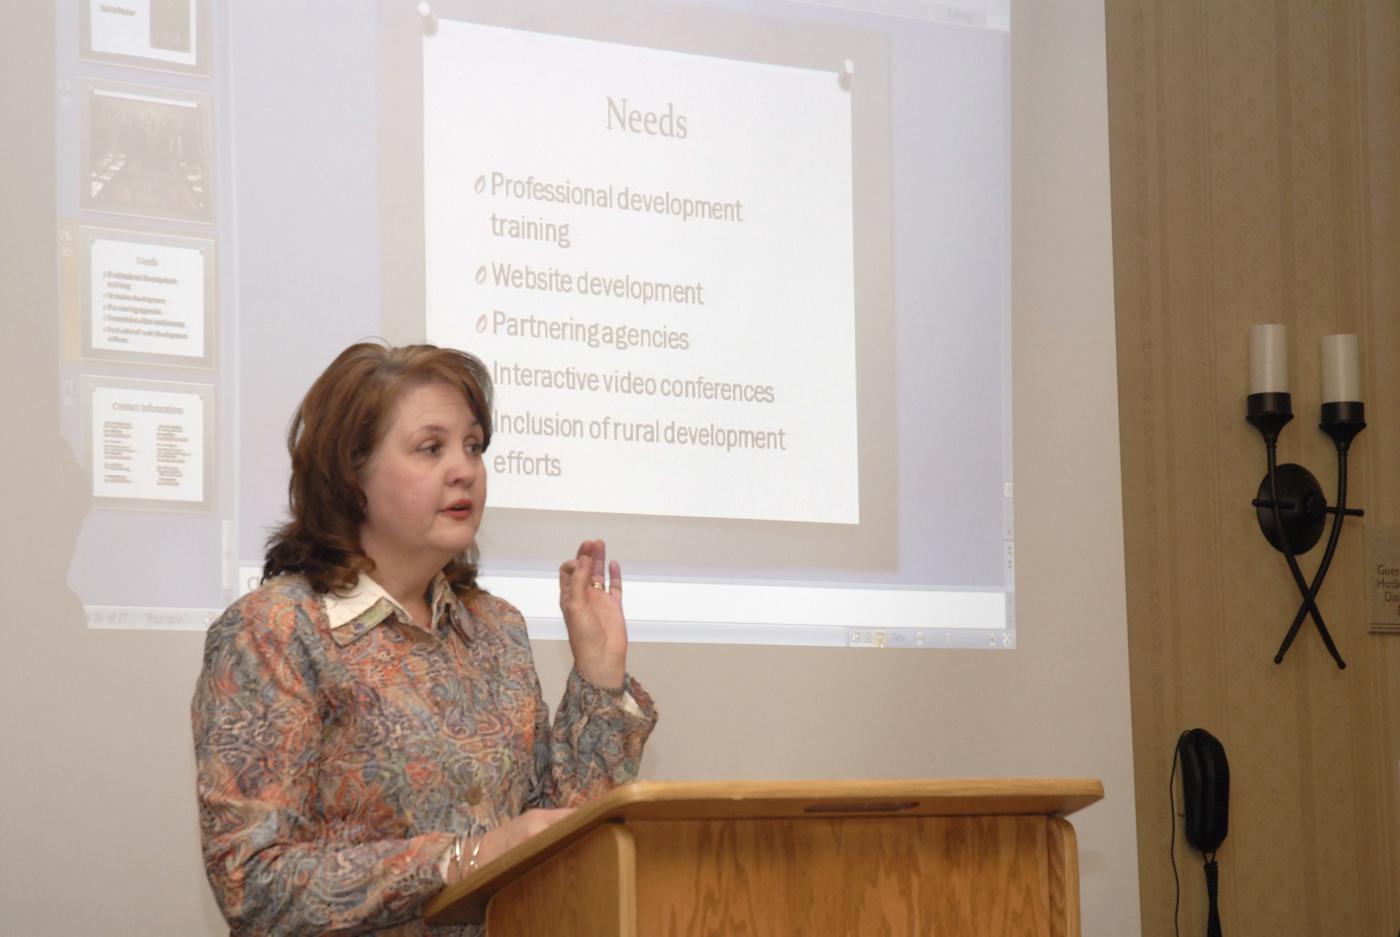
(339, 753)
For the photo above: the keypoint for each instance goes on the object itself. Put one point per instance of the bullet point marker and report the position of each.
(481, 274)
(481, 323)
(480, 184)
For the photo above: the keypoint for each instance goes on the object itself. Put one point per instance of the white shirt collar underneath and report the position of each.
(343, 608)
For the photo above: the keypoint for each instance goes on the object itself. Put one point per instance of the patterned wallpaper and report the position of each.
(1255, 154)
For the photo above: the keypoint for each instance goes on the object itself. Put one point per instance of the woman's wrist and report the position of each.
(615, 691)
(463, 857)
(601, 675)
(611, 680)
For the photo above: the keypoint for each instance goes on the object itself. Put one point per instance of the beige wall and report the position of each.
(1256, 178)
(98, 831)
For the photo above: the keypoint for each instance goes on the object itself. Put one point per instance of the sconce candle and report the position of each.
(1268, 359)
(1341, 369)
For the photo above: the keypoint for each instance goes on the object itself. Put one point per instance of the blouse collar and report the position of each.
(355, 611)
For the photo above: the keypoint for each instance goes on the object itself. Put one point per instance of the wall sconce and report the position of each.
(1290, 504)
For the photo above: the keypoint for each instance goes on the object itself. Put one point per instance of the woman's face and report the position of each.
(425, 483)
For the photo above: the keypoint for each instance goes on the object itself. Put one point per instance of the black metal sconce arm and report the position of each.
(1291, 507)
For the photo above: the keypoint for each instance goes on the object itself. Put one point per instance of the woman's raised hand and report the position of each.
(590, 596)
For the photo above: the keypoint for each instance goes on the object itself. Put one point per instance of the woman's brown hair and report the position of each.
(331, 437)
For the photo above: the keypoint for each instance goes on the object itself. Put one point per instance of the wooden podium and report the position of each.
(934, 858)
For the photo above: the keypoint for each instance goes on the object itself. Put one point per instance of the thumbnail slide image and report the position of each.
(147, 298)
(168, 35)
(147, 152)
(150, 443)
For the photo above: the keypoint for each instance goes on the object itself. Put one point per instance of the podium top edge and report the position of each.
(935, 797)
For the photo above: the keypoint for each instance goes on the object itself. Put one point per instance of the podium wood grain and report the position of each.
(920, 876)
(1063, 855)
(592, 882)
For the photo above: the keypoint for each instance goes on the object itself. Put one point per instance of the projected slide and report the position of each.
(653, 253)
(147, 152)
(154, 33)
(147, 297)
(740, 273)
(148, 443)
